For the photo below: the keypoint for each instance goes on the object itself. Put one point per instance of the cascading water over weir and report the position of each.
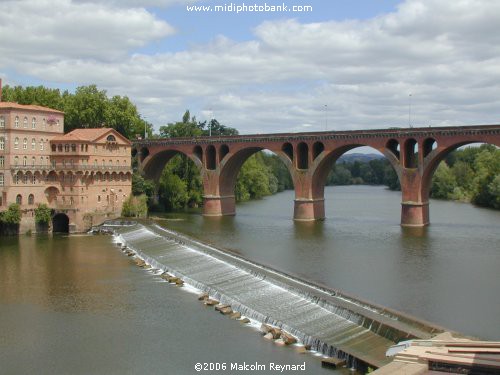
(331, 322)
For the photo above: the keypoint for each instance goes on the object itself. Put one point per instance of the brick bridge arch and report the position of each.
(414, 154)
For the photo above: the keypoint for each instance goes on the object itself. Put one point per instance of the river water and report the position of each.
(447, 273)
(77, 305)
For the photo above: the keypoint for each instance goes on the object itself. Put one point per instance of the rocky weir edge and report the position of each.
(341, 326)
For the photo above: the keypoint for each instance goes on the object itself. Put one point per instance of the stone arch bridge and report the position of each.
(414, 154)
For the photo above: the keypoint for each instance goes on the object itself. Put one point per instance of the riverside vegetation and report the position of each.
(470, 175)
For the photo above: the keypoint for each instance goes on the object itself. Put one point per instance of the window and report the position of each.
(33, 161)
(111, 138)
(72, 163)
(66, 148)
(16, 161)
(59, 147)
(53, 147)
(19, 199)
(41, 160)
(44, 123)
(53, 164)
(2, 122)
(16, 122)
(25, 161)
(31, 199)
(25, 143)
(73, 147)
(33, 123)
(16, 143)
(98, 198)
(41, 145)
(2, 161)
(25, 179)
(71, 201)
(2, 143)
(33, 180)
(110, 162)
(33, 144)
(1, 179)
(25, 122)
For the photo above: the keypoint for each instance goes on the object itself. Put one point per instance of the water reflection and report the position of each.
(58, 272)
(309, 229)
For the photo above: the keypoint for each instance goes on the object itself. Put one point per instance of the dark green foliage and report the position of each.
(43, 214)
(12, 216)
(470, 175)
(88, 107)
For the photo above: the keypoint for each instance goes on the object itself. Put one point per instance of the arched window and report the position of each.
(44, 123)
(25, 143)
(25, 122)
(1, 179)
(16, 161)
(41, 145)
(25, 161)
(31, 199)
(111, 138)
(33, 123)
(16, 122)
(33, 144)
(2, 122)
(33, 161)
(19, 199)
(16, 143)
(2, 143)
(42, 161)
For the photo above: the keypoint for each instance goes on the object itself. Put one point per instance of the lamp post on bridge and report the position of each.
(409, 110)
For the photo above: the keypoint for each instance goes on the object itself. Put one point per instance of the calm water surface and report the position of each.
(77, 305)
(448, 273)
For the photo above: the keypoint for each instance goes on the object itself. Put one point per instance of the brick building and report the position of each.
(84, 175)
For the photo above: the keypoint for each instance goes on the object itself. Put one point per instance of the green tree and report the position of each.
(444, 183)
(12, 216)
(43, 214)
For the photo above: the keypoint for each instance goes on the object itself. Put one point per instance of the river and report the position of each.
(77, 305)
(447, 273)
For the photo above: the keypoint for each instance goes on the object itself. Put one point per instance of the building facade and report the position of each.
(84, 176)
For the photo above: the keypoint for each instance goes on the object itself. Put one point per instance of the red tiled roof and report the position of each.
(86, 135)
(13, 105)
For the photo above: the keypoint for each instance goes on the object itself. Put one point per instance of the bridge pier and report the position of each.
(219, 205)
(414, 214)
(306, 209)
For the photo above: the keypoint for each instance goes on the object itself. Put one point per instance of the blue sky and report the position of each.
(267, 72)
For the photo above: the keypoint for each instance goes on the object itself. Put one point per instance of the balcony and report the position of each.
(74, 168)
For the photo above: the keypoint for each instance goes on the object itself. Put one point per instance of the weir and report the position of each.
(333, 323)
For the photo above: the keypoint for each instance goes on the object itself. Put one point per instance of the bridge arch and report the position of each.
(231, 166)
(152, 167)
(322, 166)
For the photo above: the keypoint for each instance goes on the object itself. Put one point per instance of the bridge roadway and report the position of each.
(414, 153)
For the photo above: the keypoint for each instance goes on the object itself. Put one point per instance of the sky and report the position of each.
(342, 65)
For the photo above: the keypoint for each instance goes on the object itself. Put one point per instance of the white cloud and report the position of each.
(48, 31)
(447, 53)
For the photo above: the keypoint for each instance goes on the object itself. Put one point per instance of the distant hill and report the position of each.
(363, 158)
